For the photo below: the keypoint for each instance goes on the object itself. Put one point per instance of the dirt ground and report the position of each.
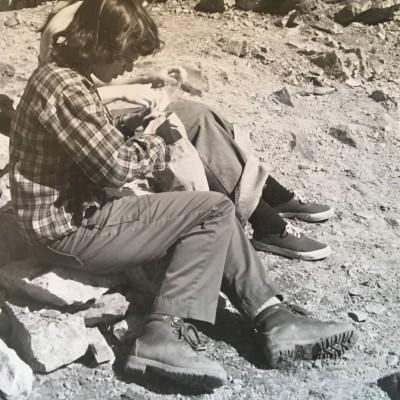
(361, 182)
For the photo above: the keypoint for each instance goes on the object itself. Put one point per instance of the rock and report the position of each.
(12, 21)
(358, 316)
(215, 5)
(355, 291)
(239, 48)
(378, 96)
(281, 7)
(367, 11)
(58, 286)
(343, 134)
(300, 144)
(251, 5)
(377, 309)
(333, 64)
(322, 91)
(46, 339)
(99, 347)
(105, 310)
(129, 328)
(392, 360)
(325, 24)
(16, 377)
(283, 96)
(7, 71)
(391, 385)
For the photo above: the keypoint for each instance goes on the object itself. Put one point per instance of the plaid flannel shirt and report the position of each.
(64, 150)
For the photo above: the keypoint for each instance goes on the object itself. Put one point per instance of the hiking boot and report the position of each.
(167, 348)
(301, 209)
(289, 337)
(291, 243)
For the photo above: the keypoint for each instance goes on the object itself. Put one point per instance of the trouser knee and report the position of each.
(223, 206)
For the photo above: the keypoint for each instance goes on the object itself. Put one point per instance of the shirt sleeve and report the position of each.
(86, 135)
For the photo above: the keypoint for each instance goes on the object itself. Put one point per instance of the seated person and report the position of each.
(64, 150)
(223, 159)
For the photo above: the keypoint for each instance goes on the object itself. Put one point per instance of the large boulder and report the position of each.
(367, 11)
(46, 339)
(57, 286)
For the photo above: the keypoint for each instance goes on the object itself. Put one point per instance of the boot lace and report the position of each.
(302, 199)
(183, 330)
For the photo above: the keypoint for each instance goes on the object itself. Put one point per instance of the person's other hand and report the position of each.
(142, 96)
(172, 75)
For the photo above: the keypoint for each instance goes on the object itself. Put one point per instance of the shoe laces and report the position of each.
(295, 308)
(183, 330)
(302, 199)
(293, 230)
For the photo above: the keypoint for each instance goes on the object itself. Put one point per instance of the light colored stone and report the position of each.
(358, 316)
(377, 309)
(46, 339)
(129, 328)
(236, 47)
(57, 286)
(16, 377)
(99, 347)
(107, 309)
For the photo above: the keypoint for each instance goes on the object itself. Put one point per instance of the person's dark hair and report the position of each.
(103, 31)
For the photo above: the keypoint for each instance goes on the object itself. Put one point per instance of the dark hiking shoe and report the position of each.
(301, 209)
(291, 243)
(289, 337)
(169, 348)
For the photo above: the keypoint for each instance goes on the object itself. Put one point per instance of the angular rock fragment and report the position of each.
(105, 310)
(46, 339)
(99, 347)
(343, 134)
(129, 328)
(283, 97)
(57, 286)
(16, 377)
(358, 316)
(239, 48)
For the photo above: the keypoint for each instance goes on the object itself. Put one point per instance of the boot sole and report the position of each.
(307, 256)
(331, 347)
(322, 216)
(138, 366)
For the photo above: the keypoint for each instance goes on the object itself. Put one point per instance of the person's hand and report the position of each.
(142, 96)
(172, 75)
